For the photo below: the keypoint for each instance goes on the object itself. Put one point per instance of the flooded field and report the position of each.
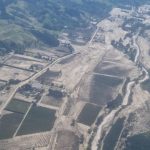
(88, 114)
(39, 119)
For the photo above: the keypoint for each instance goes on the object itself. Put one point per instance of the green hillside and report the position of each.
(37, 23)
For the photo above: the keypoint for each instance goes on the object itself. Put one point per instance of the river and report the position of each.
(108, 120)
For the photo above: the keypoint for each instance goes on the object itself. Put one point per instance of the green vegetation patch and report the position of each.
(8, 124)
(18, 106)
(138, 142)
(39, 119)
(88, 114)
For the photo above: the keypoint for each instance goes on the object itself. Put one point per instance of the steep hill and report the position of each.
(37, 23)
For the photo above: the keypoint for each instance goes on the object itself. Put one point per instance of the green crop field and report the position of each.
(9, 124)
(18, 106)
(88, 114)
(103, 88)
(39, 119)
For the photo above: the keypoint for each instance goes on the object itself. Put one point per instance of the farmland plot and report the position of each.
(39, 119)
